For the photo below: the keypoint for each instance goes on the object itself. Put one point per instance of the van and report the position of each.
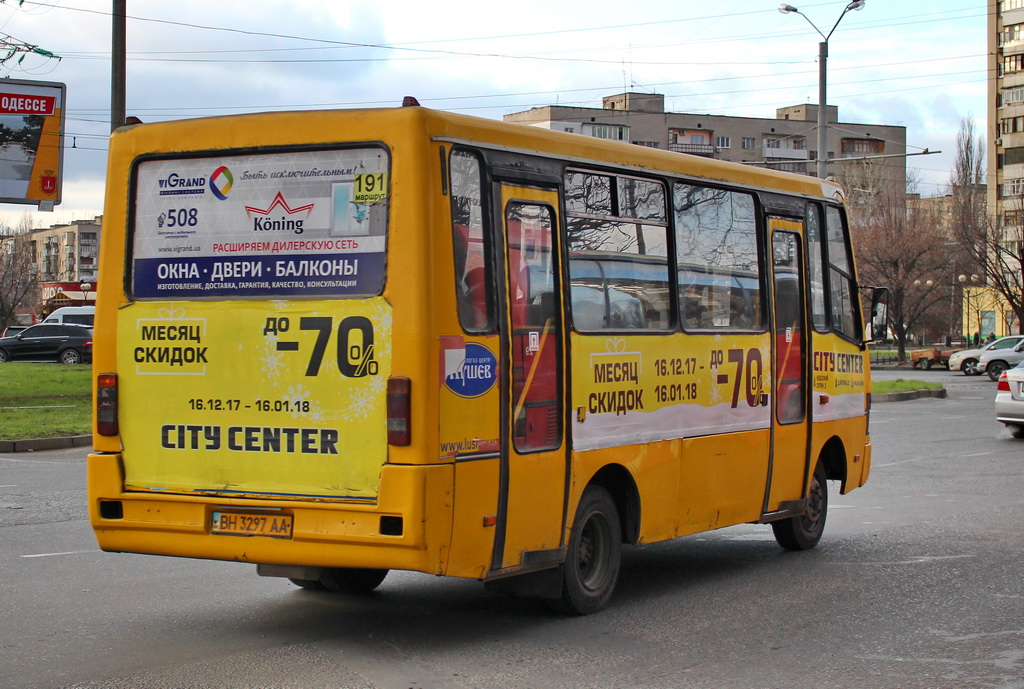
(73, 315)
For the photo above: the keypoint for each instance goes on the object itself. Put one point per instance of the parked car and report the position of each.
(68, 344)
(967, 359)
(996, 361)
(1010, 400)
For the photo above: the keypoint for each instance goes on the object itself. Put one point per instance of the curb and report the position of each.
(908, 395)
(33, 444)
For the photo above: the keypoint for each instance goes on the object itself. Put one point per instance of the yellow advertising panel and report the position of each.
(31, 143)
(637, 389)
(279, 398)
(840, 378)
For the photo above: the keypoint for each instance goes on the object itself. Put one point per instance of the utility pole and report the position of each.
(117, 65)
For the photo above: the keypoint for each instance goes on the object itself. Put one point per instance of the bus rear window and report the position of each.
(270, 225)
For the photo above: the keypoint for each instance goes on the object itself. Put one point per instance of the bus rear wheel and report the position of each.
(804, 532)
(591, 568)
(351, 579)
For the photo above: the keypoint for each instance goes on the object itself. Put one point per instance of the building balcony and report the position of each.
(706, 150)
(785, 153)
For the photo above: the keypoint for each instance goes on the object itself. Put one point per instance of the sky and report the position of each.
(916, 63)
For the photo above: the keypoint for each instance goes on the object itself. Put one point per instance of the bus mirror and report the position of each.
(879, 321)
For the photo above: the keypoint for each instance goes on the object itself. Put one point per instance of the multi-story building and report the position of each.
(62, 261)
(785, 142)
(1005, 164)
(1006, 114)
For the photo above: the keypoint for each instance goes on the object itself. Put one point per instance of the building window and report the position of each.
(613, 132)
(648, 144)
(1013, 63)
(1010, 5)
(1014, 156)
(749, 143)
(723, 142)
(862, 146)
(1013, 95)
(771, 143)
(1013, 187)
(1011, 34)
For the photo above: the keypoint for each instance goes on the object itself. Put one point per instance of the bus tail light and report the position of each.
(399, 408)
(106, 404)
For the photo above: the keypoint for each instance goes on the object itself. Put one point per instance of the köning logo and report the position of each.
(262, 222)
(220, 182)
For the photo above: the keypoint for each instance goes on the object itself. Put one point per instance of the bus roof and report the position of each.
(312, 127)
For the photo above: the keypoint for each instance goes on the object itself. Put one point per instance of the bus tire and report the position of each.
(591, 568)
(804, 532)
(351, 579)
(308, 584)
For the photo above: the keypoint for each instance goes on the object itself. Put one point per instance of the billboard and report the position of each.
(31, 142)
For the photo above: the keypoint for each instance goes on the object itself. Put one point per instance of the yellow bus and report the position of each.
(336, 343)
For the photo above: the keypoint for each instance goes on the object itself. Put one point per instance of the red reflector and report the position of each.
(1004, 383)
(106, 404)
(399, 406)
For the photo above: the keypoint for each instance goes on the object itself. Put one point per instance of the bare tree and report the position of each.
(19, 282)
(899, 245)
(993, 244)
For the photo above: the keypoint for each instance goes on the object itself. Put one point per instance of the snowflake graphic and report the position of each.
(272, 363)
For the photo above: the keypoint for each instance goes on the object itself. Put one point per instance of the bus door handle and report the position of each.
(764, 399)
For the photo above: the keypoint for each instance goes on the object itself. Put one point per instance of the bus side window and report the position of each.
(840, 277)
(717, 259)
(470, 243)
(617, 231)
(816, 267)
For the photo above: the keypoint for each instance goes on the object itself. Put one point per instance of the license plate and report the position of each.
(240, 524)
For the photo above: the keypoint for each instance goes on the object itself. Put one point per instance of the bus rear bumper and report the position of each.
(388, 534)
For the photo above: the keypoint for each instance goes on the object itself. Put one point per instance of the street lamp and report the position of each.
(822, 101)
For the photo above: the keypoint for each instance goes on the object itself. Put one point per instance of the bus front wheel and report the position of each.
(804, 532)
(591, 567)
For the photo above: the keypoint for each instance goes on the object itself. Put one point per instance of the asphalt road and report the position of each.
(916, 584)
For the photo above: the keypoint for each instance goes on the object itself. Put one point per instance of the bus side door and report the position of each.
(789, 470)
(534, 464)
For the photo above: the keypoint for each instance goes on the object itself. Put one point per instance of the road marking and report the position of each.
(9, 485)
(67, 552)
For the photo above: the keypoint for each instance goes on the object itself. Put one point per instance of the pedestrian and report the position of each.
(977, 338)
(991, 338)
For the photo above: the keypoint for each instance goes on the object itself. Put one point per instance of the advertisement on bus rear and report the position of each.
(255, 398)
(295, 224)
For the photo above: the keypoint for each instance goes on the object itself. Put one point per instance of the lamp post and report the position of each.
(85, 287)
(822, 72)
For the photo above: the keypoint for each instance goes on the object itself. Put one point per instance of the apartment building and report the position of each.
(63, 261)
(1006, 116)
(786, 142)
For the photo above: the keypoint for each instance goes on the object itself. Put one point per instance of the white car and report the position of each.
(995, 361)
(1010, 400)
(967, 360)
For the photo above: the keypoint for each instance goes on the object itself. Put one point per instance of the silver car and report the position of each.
(1010, 400)
(994, 362)
(967, 359)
